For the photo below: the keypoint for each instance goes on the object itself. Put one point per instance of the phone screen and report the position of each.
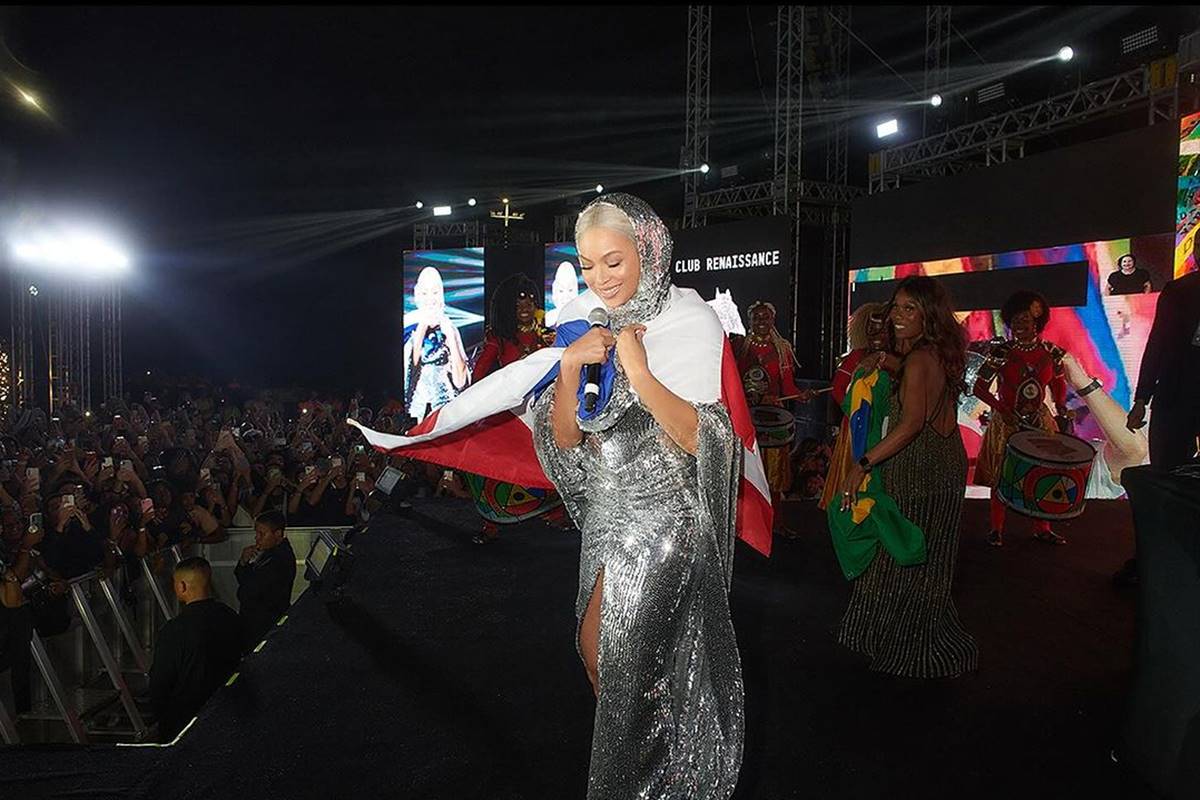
(68, 501)
(147, 505)
(35, 521)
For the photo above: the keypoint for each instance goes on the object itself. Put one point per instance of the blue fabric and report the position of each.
(565, 334)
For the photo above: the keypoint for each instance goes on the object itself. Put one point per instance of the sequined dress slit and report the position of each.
(658, 522)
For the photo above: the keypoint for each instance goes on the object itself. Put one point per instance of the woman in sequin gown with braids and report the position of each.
(651, 482)
(904, 618)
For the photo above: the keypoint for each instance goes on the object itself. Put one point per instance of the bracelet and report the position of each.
(865, 463)
(1091, 387)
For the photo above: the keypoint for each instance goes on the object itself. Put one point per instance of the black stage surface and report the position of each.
(450, 672)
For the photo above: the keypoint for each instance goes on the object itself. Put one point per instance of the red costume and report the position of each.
(1022, 373)
(497, 352)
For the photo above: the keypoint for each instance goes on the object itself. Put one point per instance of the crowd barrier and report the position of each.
(97, 671)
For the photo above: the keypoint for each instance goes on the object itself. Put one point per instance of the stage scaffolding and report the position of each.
(811, 49)
(54, 326)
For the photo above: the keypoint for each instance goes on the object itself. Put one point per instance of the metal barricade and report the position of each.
(73, 705)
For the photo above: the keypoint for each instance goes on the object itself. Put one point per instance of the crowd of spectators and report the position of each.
(84, 491)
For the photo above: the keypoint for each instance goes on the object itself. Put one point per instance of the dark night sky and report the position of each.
(178, 123)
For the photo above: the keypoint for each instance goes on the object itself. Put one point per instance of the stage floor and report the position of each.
(450, 672)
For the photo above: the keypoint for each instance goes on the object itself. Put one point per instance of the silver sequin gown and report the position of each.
(660, 524)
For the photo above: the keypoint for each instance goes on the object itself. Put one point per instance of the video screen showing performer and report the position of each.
(442, 325)
(564, 281)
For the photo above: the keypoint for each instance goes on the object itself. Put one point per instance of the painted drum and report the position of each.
(1045, 474)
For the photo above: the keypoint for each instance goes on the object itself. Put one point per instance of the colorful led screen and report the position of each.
(1104, 334)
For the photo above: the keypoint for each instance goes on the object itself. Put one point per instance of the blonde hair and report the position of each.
(604, 215)
(856, 331)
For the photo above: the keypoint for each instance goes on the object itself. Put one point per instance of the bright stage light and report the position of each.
(1065, 54)
(33, 290)
(599, 188)
(935, 101)
(888, 128)
(441, 211)
(78, 251)
(29, 98)
(471, 202)
(704, 169)
(419, 204)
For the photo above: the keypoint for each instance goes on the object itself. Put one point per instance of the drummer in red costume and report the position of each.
(510, 339)
(515, 330)
(767, 363)
(1023, 369)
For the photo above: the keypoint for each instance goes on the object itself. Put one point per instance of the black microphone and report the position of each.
(591, 372)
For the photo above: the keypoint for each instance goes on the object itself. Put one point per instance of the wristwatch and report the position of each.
(1091, 387)
(865, 464)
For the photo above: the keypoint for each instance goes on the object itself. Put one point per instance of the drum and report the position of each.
(775, 426)
(1045, 475)
(506, 503)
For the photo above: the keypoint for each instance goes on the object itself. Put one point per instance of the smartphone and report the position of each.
(35, 521)
(143, 441)
(308, 470)
(68, 501)
(205, 474)
(336, 461)
(126, 463)
(147, 506)
(33, 474)
(108, 462)
(360, 476)
(358, 448)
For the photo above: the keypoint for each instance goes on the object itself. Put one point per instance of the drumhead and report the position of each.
(1051, 447)
(771, 416)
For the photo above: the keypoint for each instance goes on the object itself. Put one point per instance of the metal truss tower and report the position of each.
(699, 117)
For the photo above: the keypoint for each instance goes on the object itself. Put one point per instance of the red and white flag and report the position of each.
(487, 430)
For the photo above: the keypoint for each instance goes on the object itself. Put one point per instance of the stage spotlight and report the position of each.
(471, 202)
(1065, 54)
(935, 101)
(419, 204)
(888, 128)
(68, 249)
(441, 211)
(33, 290)
(599, 188)
(704, 169)
(29, 98)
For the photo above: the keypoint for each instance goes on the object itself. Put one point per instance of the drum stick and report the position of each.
(815, 391)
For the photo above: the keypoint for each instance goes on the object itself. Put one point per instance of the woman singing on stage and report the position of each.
(903, 617)
(651, 481)
(658, 476)
(1023, 368)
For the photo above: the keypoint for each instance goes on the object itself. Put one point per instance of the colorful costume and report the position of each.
(766, 367)
(1022, 374)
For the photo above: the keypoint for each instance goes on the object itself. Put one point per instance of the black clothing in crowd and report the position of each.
(1170, 376)
(1133, 283)
(265, 590)
(196, 653)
